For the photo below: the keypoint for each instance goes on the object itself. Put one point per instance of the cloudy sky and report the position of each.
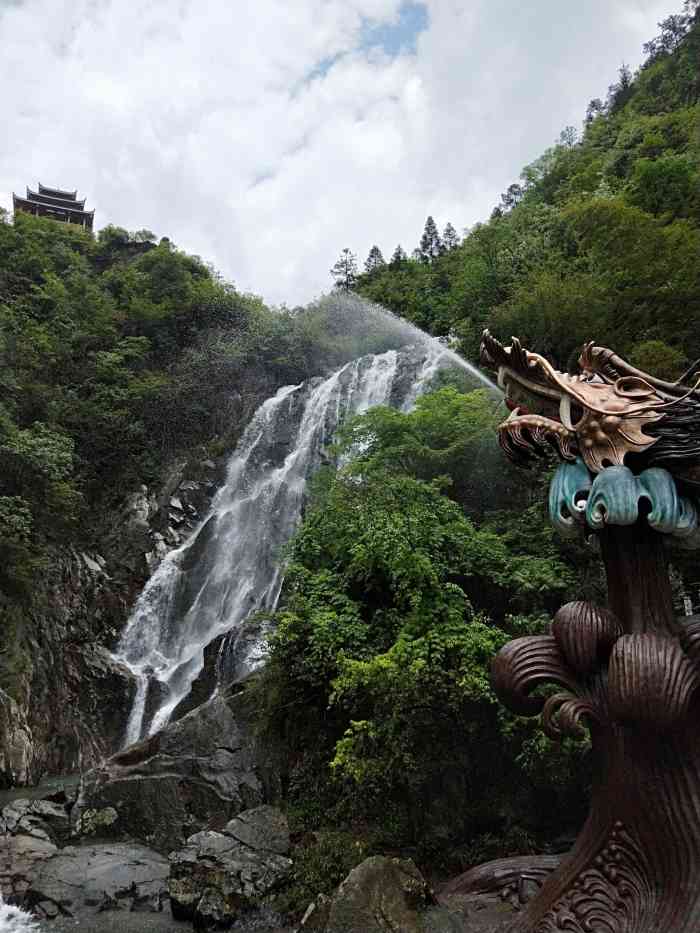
(267, 135)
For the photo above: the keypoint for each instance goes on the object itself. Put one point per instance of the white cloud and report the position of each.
(267, 137)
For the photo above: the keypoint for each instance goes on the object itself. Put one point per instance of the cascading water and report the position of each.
(232, 566)
(14, 920)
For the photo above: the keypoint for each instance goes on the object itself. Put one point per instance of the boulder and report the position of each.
(78, 881)
(30, 831)
(42, 819)
(20, 859)
(381, 895)
(220, 874)
(198, 769)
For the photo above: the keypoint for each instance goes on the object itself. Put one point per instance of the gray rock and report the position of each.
(219, 874)
(17, 753)
(200, 768)
(137, 510)
(41, 819)
(263, 828)
(475, 913)
(20, 858)
(172, 537)
(381, 895)
(83, 880)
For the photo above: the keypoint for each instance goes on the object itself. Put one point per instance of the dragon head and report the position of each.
(608, 413)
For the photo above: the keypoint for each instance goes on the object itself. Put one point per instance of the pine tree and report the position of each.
(511, 197)
(450, 238)
(430, 243)
(375, 260)
(345, 271)
(620, 93)
(399, 256)
(595, 108)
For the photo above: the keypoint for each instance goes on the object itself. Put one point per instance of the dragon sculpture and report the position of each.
(609, 414)
(628, 672)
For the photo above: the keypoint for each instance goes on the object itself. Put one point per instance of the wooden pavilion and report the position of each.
(56, 204)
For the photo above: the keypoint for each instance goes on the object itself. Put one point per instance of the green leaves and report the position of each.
(669, 186)
(395, 604)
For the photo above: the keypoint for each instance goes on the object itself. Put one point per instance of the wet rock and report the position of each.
(381, 895)
(245, 650)
(205, 683)
(172, 537)
(17, 753)
(21, 856)
(84, 880)
(159, 551)
(41, 819)
(165, 789)
(220, 874)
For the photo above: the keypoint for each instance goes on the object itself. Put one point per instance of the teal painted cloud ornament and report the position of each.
(568, 494)
(616, 496)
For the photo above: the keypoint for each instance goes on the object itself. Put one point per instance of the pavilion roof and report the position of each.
(58, 193)
(71, 214)
(43, 198)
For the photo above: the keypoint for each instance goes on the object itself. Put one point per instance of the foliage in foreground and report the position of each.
(395, 603)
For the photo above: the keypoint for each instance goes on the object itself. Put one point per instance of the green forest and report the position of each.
(418, 559)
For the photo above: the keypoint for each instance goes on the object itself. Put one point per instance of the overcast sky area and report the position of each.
(267, 136)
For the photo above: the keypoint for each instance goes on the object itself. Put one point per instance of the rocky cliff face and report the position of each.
(70, 701)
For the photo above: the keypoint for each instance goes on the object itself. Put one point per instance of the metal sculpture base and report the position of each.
(632, 673)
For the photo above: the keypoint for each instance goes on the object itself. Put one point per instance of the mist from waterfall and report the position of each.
(232, 566)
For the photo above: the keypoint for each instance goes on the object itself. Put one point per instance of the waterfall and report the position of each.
(232, 566)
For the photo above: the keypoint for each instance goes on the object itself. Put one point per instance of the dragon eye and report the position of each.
(570, 413)
(633, 387)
